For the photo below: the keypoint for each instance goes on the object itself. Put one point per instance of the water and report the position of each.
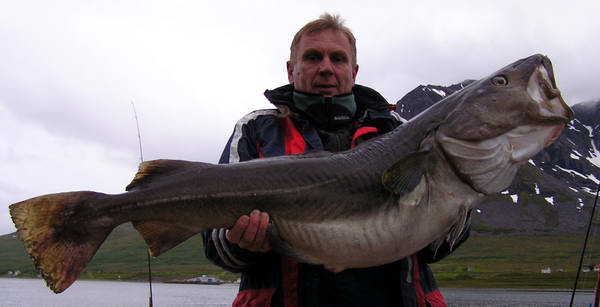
(511, 297)
(33, 293)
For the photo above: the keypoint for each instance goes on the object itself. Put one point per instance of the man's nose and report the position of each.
(325, 67)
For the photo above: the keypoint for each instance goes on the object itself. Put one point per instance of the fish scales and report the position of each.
(383, 200)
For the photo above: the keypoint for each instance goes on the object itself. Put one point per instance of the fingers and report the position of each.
(333, 269)
(250, 232)
(261, 239)
(234, 235)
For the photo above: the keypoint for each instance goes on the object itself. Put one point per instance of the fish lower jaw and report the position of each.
(551, 106)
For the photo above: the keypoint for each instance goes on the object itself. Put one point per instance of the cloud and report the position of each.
(36, 162)
(71, 69)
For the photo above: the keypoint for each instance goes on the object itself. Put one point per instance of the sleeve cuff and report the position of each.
(224, 249)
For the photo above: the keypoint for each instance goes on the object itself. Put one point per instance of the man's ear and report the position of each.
(290, 71)
(354, 72)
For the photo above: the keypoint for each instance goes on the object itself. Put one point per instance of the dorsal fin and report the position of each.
(149, 171)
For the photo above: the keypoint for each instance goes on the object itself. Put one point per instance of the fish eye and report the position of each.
(500, 80)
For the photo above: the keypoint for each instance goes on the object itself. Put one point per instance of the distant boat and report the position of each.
(202, 280)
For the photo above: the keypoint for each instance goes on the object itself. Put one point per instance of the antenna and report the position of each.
(137, 124)
(587, 234)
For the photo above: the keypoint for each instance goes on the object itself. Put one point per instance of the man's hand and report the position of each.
(250, 232)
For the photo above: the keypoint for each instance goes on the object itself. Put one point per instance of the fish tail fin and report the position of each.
(59, 248)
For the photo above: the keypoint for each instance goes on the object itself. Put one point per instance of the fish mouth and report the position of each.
(542, 89)
(552, 109)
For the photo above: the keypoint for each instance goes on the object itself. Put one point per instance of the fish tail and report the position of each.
(59, 247)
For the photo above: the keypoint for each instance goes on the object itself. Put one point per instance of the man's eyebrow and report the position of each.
(340, 52)
(311, 50)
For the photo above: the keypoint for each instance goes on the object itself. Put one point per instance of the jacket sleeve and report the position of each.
(430, 254)
(240, 147)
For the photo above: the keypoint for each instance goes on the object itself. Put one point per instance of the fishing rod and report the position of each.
(589, 227)
(137, 124)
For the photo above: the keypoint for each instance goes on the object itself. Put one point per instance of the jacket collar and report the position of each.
(365, 97)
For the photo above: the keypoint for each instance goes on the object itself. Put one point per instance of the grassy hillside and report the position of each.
(483, 261)
(123, 255)
(516, 262)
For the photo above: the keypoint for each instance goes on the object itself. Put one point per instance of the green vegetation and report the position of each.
(123, 255)
(516, 261)
(508, 261)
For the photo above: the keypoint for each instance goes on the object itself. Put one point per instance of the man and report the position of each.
(320, 109)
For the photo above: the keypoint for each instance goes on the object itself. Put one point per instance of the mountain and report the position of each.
(554, 192)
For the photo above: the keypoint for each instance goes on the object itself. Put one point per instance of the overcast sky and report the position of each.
(70, 69)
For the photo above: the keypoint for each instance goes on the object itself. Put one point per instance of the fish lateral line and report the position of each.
(220, 195)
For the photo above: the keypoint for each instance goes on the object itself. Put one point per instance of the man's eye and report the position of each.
(312, 57)
(338, 58)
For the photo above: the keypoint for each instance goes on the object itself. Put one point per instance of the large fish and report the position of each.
(371, 205)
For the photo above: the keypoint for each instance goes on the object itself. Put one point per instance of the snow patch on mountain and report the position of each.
(574, 189)
(439, 92)
(589, 191)
(571, 125)
(576, 173)
(575, 155)
(594, 154)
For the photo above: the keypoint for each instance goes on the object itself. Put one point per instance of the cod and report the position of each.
(377, 203)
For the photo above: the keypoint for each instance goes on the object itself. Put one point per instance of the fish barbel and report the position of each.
(379, 202)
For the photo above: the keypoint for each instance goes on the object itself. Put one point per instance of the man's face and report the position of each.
(323, 64)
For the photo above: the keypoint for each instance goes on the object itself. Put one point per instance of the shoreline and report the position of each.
(466, 289)
(552, 290)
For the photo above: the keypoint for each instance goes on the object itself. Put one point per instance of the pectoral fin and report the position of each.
(404, 176)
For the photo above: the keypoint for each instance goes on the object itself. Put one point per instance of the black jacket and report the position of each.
(269, 279)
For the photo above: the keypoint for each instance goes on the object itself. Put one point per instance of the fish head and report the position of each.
(501, 121)
(522, 93)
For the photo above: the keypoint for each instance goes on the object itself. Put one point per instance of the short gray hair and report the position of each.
(325, 22)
